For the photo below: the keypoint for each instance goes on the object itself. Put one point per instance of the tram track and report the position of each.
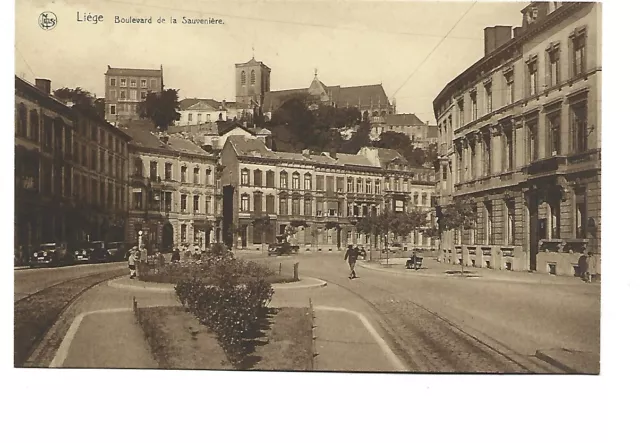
(35, 314)
(429, 342)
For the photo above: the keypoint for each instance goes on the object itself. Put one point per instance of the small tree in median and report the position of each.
(460, 215)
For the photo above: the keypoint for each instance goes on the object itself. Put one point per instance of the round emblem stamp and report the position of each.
(47, 20)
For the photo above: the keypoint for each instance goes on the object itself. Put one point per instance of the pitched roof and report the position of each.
(134, 72)
(189, 102)
(386, 156)
(249, 147)
(403, 120)
(353, 160)
(144, 137)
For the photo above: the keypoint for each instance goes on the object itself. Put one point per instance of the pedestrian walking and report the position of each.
(351, 255)
(133, 258)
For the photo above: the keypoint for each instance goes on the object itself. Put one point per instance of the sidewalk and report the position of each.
(432, 268)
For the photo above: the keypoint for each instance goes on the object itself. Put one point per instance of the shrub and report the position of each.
(230, 299)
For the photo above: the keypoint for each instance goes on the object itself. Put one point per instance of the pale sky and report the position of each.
(350, 43)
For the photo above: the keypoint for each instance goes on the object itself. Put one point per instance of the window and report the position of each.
(137, 199)
(190, 117)
(183, 203)
(112, 81)
(113, 94)
(284, 180)
(123, 82)
(553, 128)
(207, 204)
(511, 222)
(34, 124)
(359, 185)
(307, 207)
(209, 177)
(488, 89)
(295, 206)
(579, 54)
(377, 186)
(153, 83)
(183, 174)
(369, 188)
(425, 200)
(112, 109)
(349, 184)
(510, 90)
(461, 113)
(257, 202)
(579, 127)
(168, 171)
(196, 203)
(133, 94)
(133, 83)
(123, 95)
(554, 211)
(532, 87)
(94, 160)
(270, 201)
(208, 117)
(196, 175)
(554, 66)
(183, 233)
(283, 206)
(532, 140)
(271, 178)
(307, 181)
(415, 199)
(295, 181)
(253, 77)
(508, 151)
(581, 214)
(319, 182)
(243, 78)
(474, 106)
(143, 83)
(167, 201)
(153, 167)
(244, 177)
(488, 237)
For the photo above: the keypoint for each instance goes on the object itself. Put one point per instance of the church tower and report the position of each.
(253, 79)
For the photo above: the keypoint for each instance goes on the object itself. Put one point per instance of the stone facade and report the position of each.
(519, 133)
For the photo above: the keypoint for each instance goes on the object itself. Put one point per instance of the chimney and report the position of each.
(494, 37)
(44, 85)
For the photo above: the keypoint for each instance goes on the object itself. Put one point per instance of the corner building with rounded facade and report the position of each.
(519, 133)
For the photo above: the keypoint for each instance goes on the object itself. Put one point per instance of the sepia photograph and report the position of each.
(359, 187)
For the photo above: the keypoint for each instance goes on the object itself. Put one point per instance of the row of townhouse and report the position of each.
(69, 179)
(519, 133)
(322, 195)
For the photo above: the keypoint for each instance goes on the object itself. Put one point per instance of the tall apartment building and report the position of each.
(322, 195)
(125, 89)
(69, 172)
(520, 134)
(174, 193)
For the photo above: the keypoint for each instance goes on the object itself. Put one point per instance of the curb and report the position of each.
(560, 365)
(119, 283)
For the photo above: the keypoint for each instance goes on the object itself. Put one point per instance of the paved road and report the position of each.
(29, 281)
(448, 324)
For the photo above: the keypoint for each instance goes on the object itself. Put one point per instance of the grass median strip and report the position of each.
(179, 341)
(36, 314)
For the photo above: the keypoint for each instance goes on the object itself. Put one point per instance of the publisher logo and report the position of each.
(47, 21)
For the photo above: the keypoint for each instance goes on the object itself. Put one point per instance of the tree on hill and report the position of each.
(359, 139)
(82, 99)
(402, 143)
(161, 108)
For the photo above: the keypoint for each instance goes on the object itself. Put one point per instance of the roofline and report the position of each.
(544, 24)
(136, 146)
(50, 97)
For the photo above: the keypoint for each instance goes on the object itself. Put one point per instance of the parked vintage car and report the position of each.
(117, 251)
(50, 254)
(414, 263)
(91, 252)
(283, 248)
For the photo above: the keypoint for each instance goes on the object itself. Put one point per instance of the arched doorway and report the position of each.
(167, 237)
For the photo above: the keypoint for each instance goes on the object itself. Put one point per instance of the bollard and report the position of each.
(295, 271)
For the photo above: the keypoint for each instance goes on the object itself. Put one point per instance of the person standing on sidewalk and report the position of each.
(133, 258)
(351, 255)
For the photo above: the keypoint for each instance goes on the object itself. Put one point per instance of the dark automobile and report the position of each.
(91, 252)
(362, 253)
(117, 251)
(50, 254)
(283, 248)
